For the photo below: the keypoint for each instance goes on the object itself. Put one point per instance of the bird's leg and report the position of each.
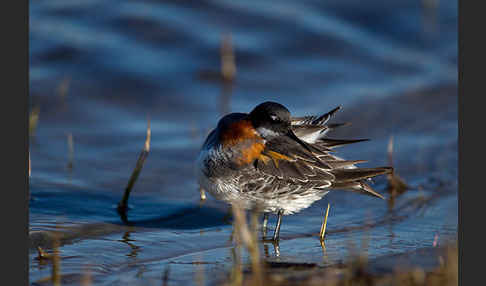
(276, 234)
(265, 222)
(276, 248)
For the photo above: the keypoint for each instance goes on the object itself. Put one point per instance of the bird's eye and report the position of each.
(274, 117)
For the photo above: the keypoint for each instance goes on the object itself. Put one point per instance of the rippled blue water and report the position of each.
(392, 65)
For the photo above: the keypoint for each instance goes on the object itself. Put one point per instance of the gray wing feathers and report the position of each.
(318, 169)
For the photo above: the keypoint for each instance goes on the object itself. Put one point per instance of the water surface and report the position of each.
(392, 66)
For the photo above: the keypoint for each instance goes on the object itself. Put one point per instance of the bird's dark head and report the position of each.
(270, 119)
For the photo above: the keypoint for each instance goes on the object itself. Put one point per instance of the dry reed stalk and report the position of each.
(396, 185)
(41, 254)
(56, 262)
(63, 87)
(228, 72)
(390, 151)
(322, 233)
(86, 279)
(228, 66)
(33, 119)
(199, 278)
(71, 150)
(236, 276)
(202, 194)
(249, 238)
(165, 278)
(123, 204)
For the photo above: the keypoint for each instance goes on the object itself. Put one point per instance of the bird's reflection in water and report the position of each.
(265, 251)
(276, 248)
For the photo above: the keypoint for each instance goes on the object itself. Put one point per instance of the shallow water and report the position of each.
(392, 66)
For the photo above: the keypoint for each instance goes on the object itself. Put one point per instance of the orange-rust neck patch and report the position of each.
(238, 132)
(250, 153)
(243, 132)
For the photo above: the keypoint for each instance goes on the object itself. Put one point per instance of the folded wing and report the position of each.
(316, 167)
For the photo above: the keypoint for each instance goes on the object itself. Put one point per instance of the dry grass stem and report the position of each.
(323, 246)
(199, 276)
(228, 66)
(436, 240)
(324, 224)
(228, 72)
(165, 278)
(202, 194)
(56, 263)
(70, 141)
(63, 87)
(248, 236)
(396, 185)
(123, 204)
(41, 254)
(390, 151)
(33, 119)
(236, 277)
(86, 280)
